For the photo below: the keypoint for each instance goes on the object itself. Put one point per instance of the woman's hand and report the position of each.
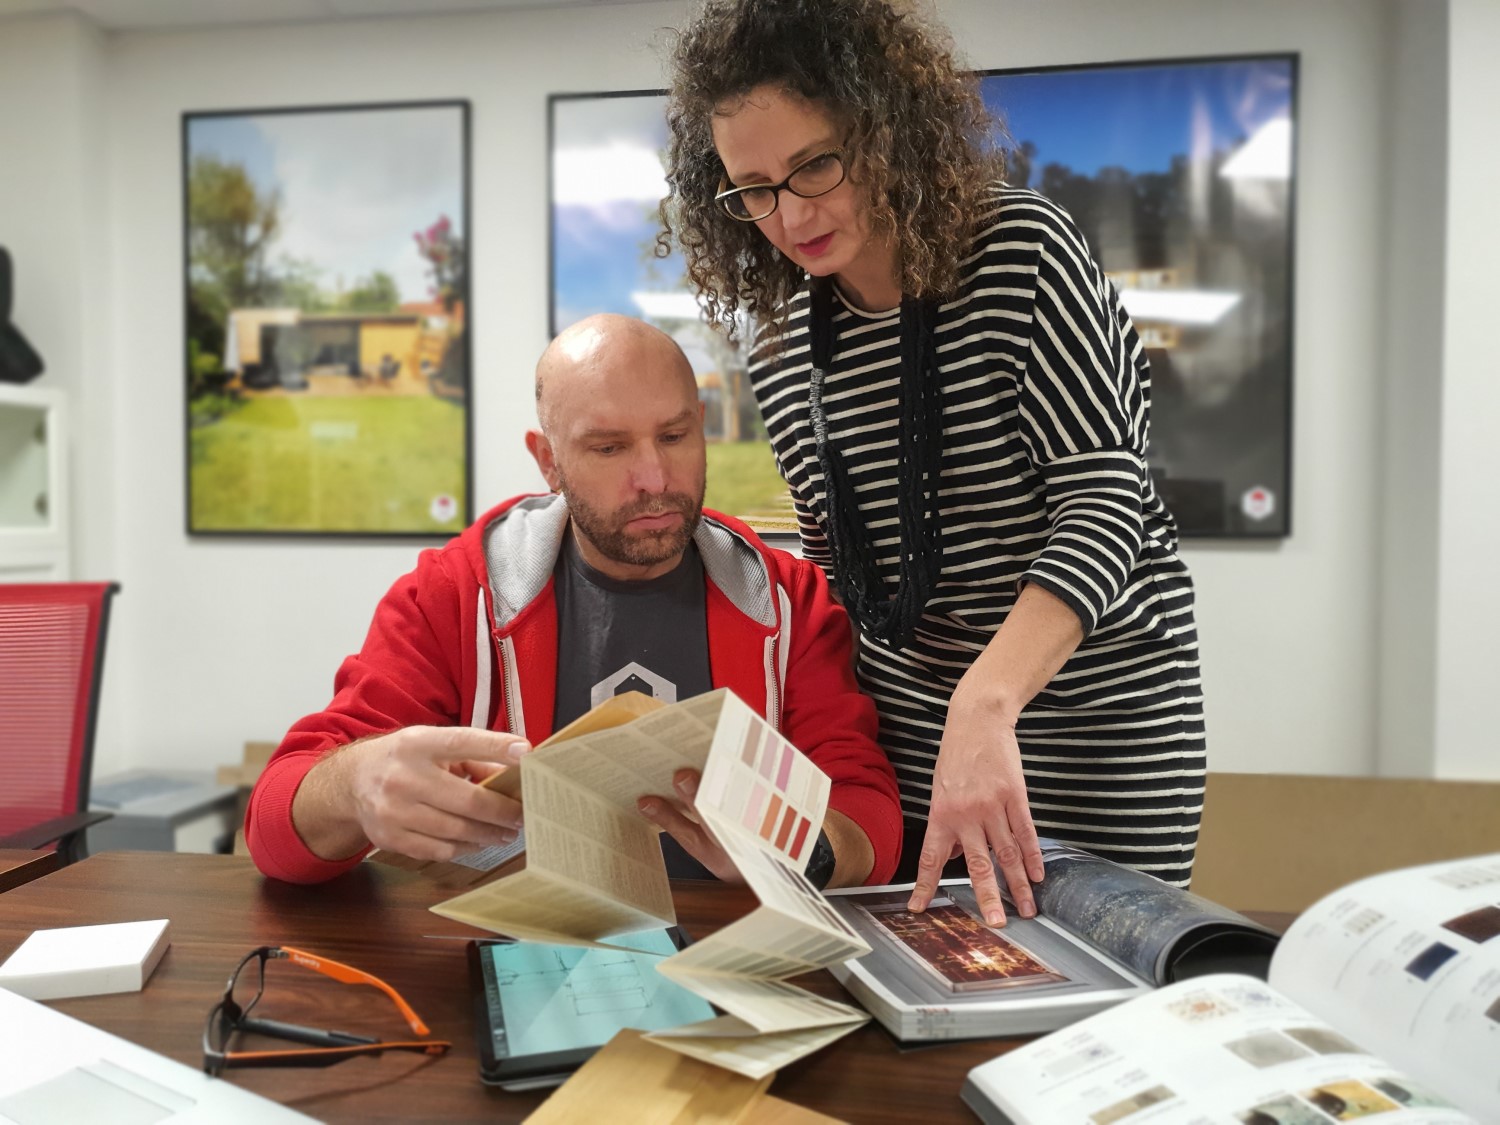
(979, 807)
(978, 790)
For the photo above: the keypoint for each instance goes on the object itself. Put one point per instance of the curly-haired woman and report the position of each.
(959, 404)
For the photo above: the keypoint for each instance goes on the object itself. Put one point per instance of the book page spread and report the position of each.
(765, 943)
(1158, 931)
(483, 866)
(1409, 962)
(1217, 1048)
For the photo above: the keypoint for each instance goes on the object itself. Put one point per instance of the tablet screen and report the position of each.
(550, 1006)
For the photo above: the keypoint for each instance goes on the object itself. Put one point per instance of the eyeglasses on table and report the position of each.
(232, 1015)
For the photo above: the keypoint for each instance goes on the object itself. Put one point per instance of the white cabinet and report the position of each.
(33, 485)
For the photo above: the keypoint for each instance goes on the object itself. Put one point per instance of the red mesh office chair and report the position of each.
(51, 662)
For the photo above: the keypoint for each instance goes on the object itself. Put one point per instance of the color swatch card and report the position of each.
(594, 870)
(762, 784)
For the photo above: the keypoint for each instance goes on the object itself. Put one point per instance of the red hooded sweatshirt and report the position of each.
(470, 637)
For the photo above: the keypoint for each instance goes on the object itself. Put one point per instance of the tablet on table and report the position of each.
(542, 1010)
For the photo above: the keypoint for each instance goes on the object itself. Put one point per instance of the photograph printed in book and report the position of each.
(957, 948)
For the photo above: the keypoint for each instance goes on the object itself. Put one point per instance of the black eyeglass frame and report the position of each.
(725, 196)
(325, 1047)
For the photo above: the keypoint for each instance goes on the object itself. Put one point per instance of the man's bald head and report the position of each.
(622, 441)
(605, 346)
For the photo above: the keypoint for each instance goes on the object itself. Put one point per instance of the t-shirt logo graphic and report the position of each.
(634, 677)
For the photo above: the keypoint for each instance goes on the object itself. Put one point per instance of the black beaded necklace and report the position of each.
(919, 477)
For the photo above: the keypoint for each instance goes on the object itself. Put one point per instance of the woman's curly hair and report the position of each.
(919, 141)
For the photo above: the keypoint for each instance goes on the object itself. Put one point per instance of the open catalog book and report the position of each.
(1383, 1002)
(1103, 934)
(592, 869)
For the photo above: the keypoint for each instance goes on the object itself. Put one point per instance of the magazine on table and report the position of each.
(1103, 934)
(1383, 1001)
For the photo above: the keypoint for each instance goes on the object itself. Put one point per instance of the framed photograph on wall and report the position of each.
(327, 354)
(1180, 174)
(607, 182)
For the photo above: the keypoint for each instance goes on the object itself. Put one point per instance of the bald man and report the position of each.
(616, 580)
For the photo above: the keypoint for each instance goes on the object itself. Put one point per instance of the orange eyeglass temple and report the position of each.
(348, 974)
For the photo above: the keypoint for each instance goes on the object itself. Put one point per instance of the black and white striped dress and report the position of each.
(1046, 390)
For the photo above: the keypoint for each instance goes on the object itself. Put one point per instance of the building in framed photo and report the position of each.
(327, 350)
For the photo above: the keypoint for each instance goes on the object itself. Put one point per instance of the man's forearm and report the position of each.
(323, 809)
(853, 856)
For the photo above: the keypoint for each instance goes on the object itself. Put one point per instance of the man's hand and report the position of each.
(677, 818)
(411, 791)
(979, 806)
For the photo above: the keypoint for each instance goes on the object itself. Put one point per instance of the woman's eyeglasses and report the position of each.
(231, 1015)
(815, 176)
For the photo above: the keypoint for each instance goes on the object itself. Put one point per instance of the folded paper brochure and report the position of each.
(593, 868)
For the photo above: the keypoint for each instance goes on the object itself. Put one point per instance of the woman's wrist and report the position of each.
(987, 697)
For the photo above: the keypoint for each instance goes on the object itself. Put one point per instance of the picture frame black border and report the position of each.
(1294, 61)
(466, 118)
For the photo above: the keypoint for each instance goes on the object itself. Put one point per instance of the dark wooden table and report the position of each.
(19, 866)
(375, 918)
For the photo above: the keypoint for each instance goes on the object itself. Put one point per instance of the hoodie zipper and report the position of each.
(773, 684)
(515, 721)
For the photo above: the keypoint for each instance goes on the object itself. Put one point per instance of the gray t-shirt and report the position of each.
(615, 636)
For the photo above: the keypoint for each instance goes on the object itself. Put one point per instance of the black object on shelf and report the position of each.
(19, 362)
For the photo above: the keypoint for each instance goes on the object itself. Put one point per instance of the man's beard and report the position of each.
(647, 548)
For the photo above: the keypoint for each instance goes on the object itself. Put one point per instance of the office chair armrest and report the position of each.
(39, 835)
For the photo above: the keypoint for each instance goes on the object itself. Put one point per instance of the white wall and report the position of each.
(1468, 616)
(1411, 432)
(220, 641)
(52, 221)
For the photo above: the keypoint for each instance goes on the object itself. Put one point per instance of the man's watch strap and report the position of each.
(821, 862)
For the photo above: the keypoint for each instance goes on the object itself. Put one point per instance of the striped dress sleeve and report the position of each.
(1083, 420)
(814, 542)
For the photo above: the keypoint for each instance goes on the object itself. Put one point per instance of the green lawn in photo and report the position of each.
(348, 463)
(743, 481)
